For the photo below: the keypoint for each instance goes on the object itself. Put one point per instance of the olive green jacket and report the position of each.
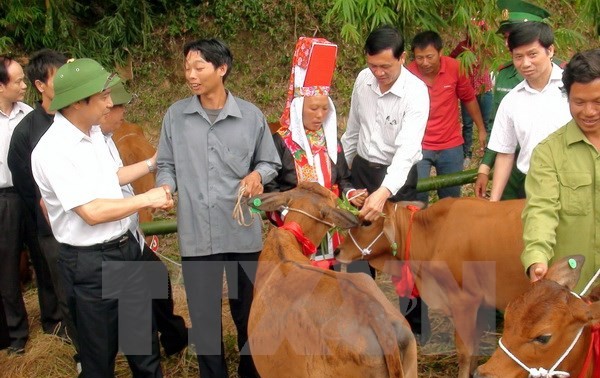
(562, 212)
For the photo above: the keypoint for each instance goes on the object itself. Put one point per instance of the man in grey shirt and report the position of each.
(211, 145)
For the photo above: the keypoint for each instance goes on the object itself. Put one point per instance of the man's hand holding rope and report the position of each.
(252, 184)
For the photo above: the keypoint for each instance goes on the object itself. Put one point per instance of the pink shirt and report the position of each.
(443, 129)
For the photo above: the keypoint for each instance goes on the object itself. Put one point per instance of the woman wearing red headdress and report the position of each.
(307, 140)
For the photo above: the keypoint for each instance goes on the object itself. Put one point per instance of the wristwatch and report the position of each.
(151, 167)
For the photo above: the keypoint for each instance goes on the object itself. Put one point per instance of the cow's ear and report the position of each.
(341, 218)
(566, 271)
(269, 201)
(389, 223)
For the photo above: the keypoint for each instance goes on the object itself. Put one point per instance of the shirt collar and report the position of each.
(396, 89)
(555, 75)
(573, 133)
(70, 133)
(18, 107)
(443, 64)
(230, 108)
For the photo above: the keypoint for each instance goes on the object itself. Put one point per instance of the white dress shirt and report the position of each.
(387, 128)
(72, 169)
(8, 122)
(526, 117)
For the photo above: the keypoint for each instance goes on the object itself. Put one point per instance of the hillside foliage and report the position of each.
(147, 35)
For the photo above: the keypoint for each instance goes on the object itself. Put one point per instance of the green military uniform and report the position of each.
(514, 12)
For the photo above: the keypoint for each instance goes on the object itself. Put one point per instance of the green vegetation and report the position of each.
(147, 35)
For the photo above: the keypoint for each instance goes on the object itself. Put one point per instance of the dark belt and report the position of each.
(371, 164)
(10, 189)
(119, 242)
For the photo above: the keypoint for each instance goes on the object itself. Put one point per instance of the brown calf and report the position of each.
(274, 126)
(134, 147)
(310, 322)
(541, 325)
(464, 255)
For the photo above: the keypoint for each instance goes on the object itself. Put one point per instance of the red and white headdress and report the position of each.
(313, 65)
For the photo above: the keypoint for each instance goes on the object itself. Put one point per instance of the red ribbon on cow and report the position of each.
(308, 248)
(593, 351)
(405, 283)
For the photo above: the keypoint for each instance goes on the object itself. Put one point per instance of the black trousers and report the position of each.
(50, 249)
(172, 329)
(95, 308)
(203, 277)
(4, 338)
(50, 313)
(370, 176)
(11, 218)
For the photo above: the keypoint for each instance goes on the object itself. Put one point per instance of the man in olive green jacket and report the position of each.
(562, 212)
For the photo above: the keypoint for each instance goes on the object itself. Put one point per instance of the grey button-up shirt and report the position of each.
(205, 163)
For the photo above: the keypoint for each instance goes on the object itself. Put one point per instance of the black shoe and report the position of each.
(416, 312)
(15, 351)
(173, 345)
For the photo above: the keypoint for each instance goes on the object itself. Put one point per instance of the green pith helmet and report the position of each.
(80, 79)
(119, 95)
(518, 11)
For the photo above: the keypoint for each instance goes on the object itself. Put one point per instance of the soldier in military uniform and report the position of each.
(514, 13)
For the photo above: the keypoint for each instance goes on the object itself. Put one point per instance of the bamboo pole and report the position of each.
(169, 226)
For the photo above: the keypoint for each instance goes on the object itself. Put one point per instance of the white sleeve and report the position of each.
(503, 138)
(350, 138)
(409, 140)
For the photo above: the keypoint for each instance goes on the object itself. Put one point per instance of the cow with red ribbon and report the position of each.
(462, 254)
(311, 322)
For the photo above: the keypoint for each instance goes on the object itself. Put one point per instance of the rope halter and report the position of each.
(541, 372)
(367, 250)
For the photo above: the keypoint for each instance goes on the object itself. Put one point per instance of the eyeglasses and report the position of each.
(108, 81)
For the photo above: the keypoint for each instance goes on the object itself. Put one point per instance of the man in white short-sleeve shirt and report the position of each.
(532, 110)
(81, 190)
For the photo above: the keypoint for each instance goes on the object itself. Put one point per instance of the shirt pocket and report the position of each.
(237, 161)
(577, 192)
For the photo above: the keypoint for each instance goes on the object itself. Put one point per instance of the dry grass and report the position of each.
(48, 357)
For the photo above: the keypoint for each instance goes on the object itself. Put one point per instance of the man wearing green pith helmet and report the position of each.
(513, 14)
(81, 191)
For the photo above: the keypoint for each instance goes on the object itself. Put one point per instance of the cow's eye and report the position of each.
(542, 339)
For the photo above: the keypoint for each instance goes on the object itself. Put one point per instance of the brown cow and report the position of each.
(134, 147)
(310, 322)
(542, 324)
(274, 126)
(458, 248)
